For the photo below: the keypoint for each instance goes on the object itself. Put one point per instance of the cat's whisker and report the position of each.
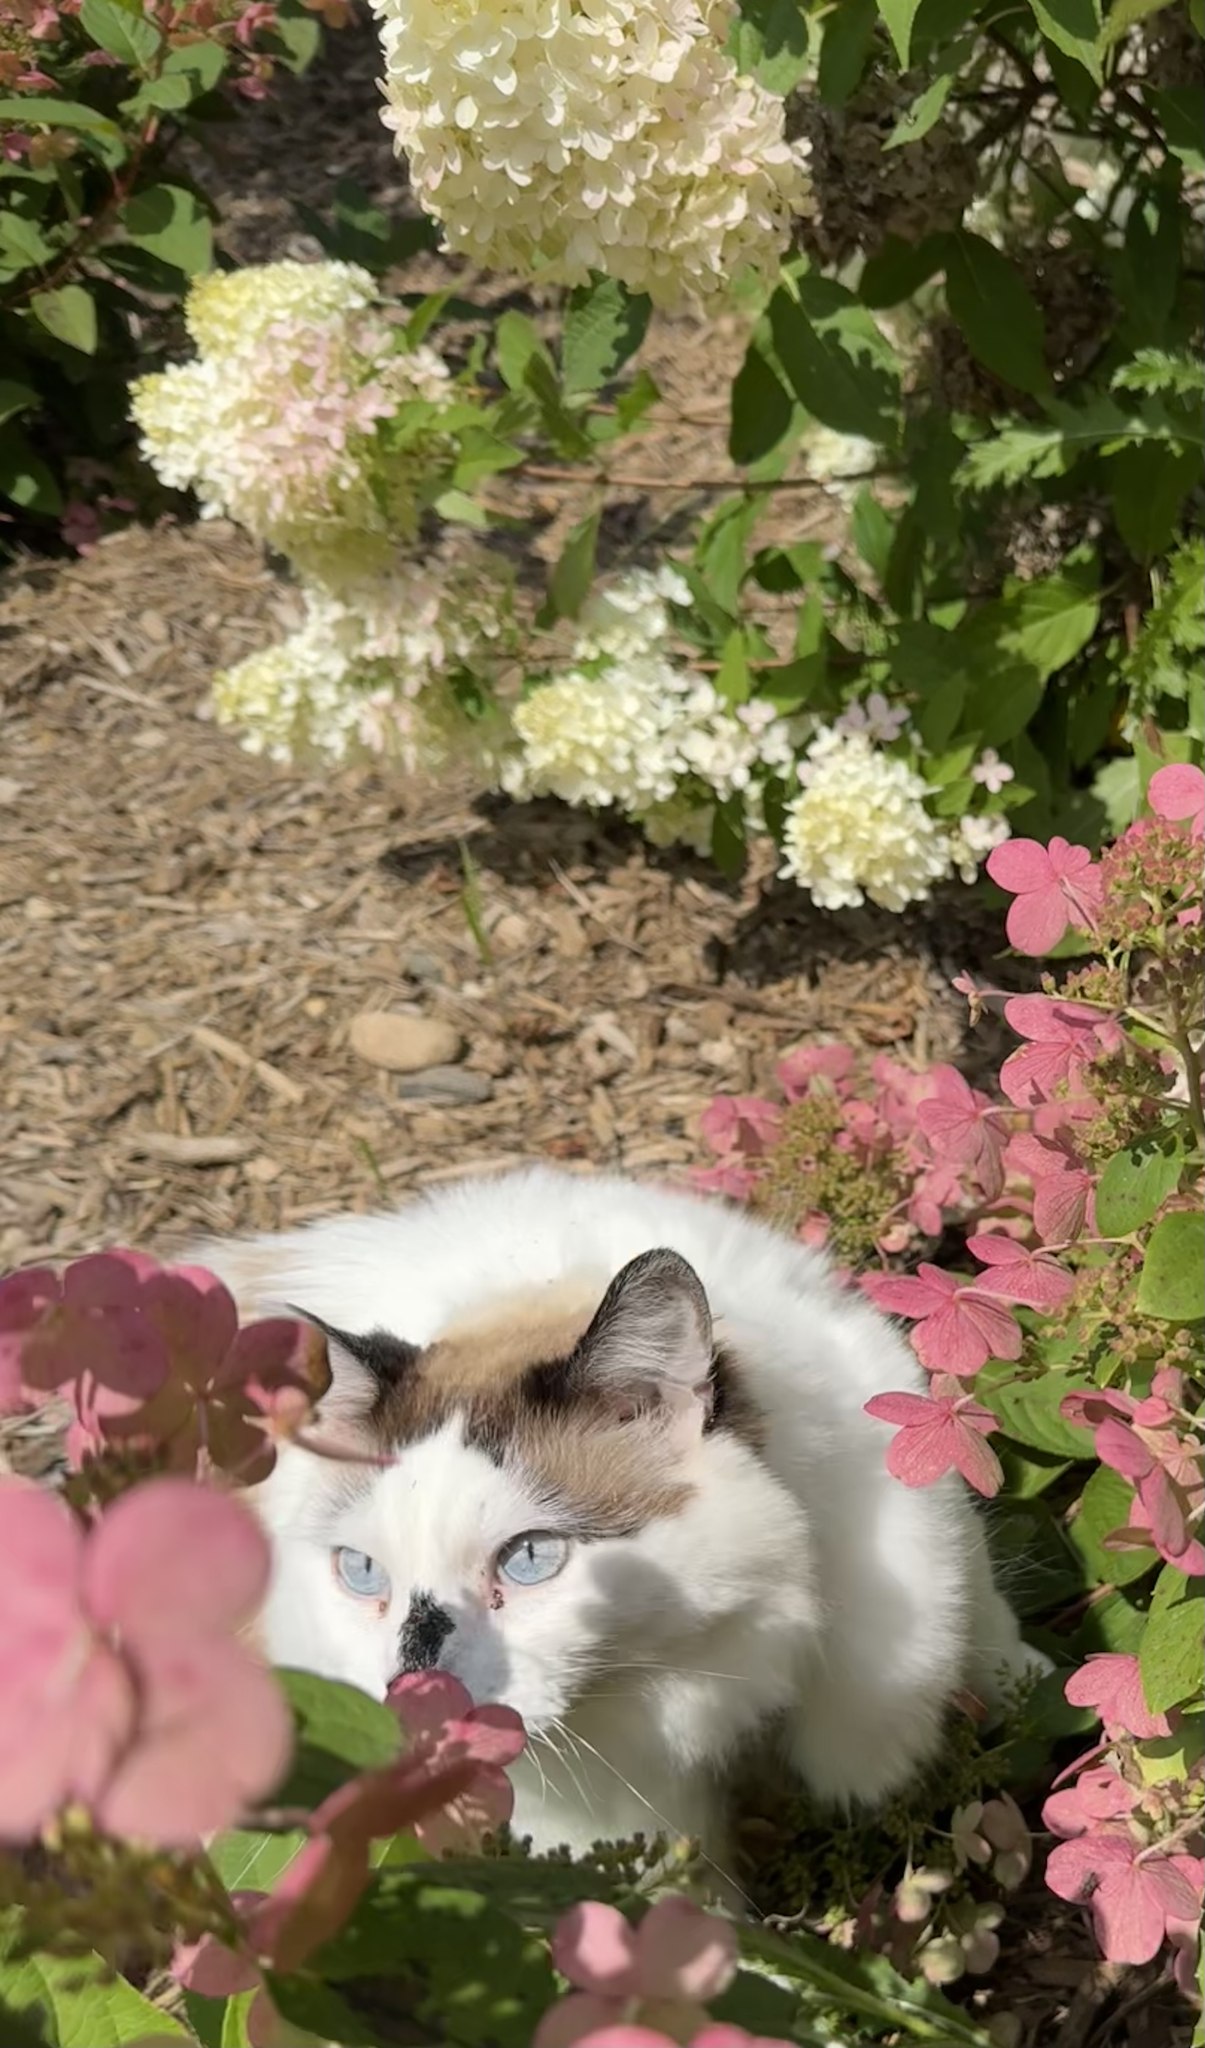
(562, 1759)
(671, 1829)
(682, 1671)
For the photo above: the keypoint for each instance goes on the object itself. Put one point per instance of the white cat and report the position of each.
(633, 1494)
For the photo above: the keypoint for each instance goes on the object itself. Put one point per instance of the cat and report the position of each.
(633, 1494)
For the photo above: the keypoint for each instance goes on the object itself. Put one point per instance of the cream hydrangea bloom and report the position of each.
(275, 424)
(381, 668)
(859, 828)
(626, 726)
(562, 137)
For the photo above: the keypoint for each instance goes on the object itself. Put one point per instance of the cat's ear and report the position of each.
(649, 1347)
(366, 1368)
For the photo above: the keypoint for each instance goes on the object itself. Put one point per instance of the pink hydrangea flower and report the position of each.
(729, 1177)
(1096, 1795)
(1063, 1188)
(435, 1710)
(1179, 792)
(798, 1069)
(964, 1125)
(1147, 1443)
(122, 1685)
(663, 1970)
(1032, 1278)
(1064, 1038)
(1133, 1893)
(1112, 1683)
(1054, 886)
(741, 1123)
(959, 1326)
(939, 1433)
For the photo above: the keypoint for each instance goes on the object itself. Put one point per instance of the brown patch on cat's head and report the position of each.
(593, 1393)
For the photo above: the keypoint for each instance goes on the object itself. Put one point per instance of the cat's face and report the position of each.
(568, 1499)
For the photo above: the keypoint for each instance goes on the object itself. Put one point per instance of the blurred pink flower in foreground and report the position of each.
(435, 1710)
(940, 1433)
(122, 1685)
(442, 1772)
(1054, 886)
(662, 1972)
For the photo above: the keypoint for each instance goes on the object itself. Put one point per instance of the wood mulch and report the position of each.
(186, 932)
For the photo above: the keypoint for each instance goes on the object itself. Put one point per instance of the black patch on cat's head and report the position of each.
(386, 1359)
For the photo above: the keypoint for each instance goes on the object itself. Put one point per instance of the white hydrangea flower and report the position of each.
(276, 424)
(626, 726)
(374, 670)
(835, 459)
(561, 137)
(973, 839)
(859, 828)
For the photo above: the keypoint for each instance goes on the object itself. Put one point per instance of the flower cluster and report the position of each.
(155, 1367)
(865, 1169)
(627, 725)
(399, 666)
(554, 139)
(859, 827)
(287, 420)
(1079, 1191)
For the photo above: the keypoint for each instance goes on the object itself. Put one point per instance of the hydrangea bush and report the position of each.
(1064, 1341)
(101, 226)
(962, 253)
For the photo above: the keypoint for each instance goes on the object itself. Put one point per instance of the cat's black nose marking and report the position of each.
(423, 1633)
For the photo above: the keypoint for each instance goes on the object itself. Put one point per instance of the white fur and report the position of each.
(805, 1588)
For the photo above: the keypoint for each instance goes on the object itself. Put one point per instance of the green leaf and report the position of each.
(732, 681)
(769, 41)
(722, 554)
(124, 31)
(516, 344)
(899, 15)
(1073, 26)
(1124, 15)
(321, 2013)
(1104, 1508)
(340, 1731)
(1137, 1181)
(24, 478)
(1150, 484)
(23, 246)
(201, 64)
(605, 323)
(249, 1859)
(992, 304)
(171, 224)
(15, 398)
(1043, 624)
(762, 410)
(77, 2004)
(1172, 1282)
(69, 314)
(1180, 110)
(1029, 1411)
(838, 363)
(926, 108)
(299, 33)
(1170, 1657)
(848, 37)
(899, 268)
(569, 583)
(872, 530)
(865, 1985)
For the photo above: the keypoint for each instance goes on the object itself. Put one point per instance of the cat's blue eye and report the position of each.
(360, 1574)
(530, 1559)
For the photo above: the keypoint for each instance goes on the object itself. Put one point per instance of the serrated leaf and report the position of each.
(69, 314)
(1170, 1657)
(84, 2008)
(1104, 1508)
(124, 31)
(605, 324)
(762, 410)
(1171, 1285)
(837, 361)
(996, 311)
(1137, 1181)
(170, 224)
(1149, 485)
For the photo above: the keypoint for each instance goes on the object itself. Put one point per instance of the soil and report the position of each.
(186, 932)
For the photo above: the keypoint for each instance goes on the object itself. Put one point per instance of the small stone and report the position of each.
(446, 1085)
(404, 1045)
(418, 964)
